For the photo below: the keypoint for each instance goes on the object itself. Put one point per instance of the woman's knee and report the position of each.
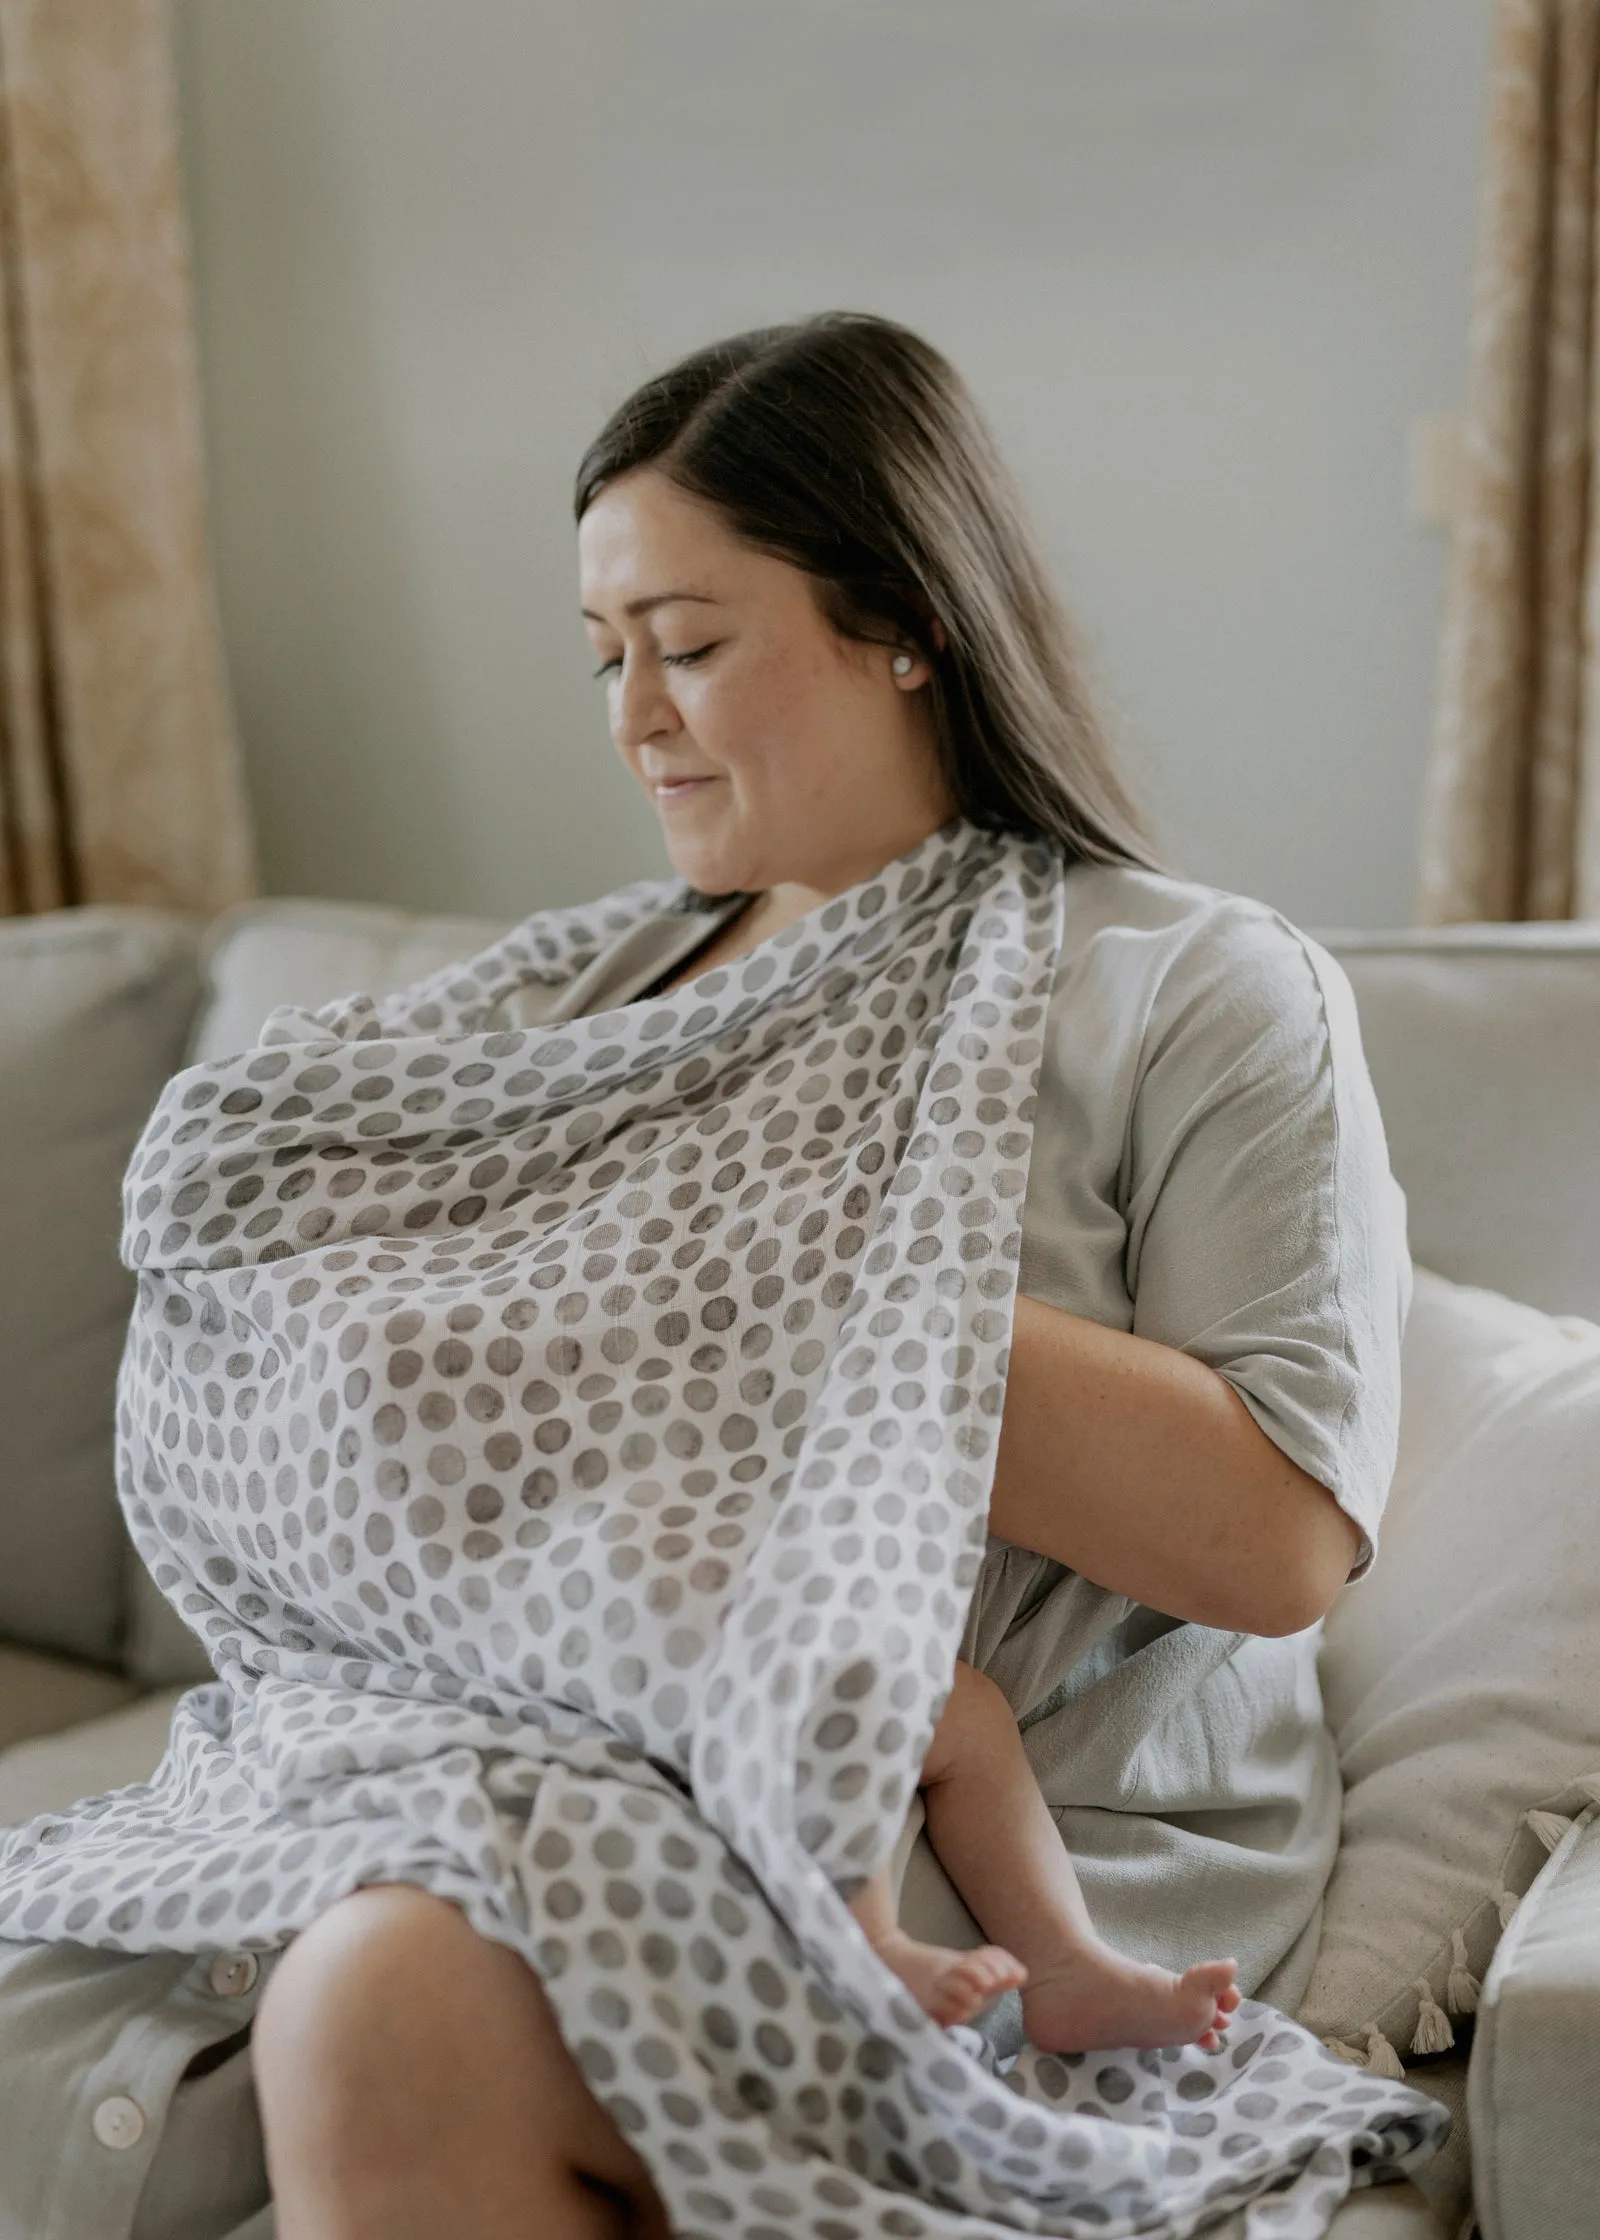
(389, 2005)
(331, 2042)
(391, 2020)
(363, 1969)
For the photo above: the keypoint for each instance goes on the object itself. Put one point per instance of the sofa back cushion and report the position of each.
(1484, 1044)
(263, 953)
(94, 1008)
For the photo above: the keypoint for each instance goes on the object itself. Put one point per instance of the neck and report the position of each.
(769, 913)
(788, 899)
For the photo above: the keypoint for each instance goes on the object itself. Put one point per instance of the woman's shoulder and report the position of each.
(1172, 915)
(1178, 952)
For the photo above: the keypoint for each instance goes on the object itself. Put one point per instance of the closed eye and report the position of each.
(669, 660)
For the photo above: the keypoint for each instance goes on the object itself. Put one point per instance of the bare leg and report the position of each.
(996, 1840)
(413, 2083)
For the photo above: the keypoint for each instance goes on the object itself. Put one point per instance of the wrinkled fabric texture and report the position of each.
(575, 1449)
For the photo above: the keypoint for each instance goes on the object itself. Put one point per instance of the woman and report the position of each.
(829, 651)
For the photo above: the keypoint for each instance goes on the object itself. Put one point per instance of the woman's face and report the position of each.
(776, 753)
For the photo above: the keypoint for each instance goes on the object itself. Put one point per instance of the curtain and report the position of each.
(1511, 814)
(119, 774)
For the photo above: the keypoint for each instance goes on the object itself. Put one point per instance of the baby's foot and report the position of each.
(950, 1986)
(1092, 1997)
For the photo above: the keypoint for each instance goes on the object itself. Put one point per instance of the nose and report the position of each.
(641, 707)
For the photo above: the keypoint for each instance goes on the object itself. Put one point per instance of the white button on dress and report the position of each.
(232, 1974)
(118, 2121)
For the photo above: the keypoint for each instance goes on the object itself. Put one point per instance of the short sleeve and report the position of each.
(1266, 1234)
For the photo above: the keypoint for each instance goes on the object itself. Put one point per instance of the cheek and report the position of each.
(769, 723)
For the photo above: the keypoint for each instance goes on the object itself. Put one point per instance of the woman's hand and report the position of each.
(1142, 1469)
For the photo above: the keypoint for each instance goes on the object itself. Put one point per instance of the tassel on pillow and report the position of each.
(1506, 1903)
(1341, 2052)
(1462, 1989)
(1382, 2060)
(1433, 2032)
(1549, 1827)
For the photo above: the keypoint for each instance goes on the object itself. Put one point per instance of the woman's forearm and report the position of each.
(1141, 1468)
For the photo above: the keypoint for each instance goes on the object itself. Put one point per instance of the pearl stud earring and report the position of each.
(902, 664)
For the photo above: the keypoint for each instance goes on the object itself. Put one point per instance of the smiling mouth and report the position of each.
(677, 789)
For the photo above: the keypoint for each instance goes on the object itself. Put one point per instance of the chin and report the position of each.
(708, 870)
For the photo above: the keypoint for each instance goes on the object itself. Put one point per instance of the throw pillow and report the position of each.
(94, 1006)
(1462, 1675)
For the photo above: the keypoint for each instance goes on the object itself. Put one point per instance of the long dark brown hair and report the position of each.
(851, 448)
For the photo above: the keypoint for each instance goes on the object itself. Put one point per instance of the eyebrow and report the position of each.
(657, 599)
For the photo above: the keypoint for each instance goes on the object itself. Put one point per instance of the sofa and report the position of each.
(1484, 1043)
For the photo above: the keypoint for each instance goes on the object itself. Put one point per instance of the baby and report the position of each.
(995, 1838)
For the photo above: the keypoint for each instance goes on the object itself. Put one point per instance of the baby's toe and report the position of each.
(974, 1981)
(989, 1971)
(1216, 1976)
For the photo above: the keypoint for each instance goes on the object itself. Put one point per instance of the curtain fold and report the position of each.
(1511, 810)
(120, 778)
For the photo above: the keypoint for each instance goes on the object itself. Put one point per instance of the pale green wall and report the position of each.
(1202, 259)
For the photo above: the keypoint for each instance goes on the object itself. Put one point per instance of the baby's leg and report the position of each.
(950, 1986)
(995, 1838)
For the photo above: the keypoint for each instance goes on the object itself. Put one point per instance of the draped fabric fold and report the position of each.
(120, 779)
(1511, 813)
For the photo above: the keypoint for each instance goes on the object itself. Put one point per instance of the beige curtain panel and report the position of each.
(119, 773)
(1511, 821)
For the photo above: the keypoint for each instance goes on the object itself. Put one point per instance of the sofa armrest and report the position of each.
(1534, 2085)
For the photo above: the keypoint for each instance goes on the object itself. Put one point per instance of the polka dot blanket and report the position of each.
(574, 1446)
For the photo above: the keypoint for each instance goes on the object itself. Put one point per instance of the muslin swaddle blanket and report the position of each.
(574, 1446)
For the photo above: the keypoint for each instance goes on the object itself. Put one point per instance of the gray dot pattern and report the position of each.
(574, 1446)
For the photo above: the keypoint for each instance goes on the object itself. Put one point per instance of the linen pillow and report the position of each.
(94, 1006)
(1462, 1676)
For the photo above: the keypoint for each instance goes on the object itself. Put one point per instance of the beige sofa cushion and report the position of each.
(1462, 1677)
(292, 951)
(1389, 2213)
(94, 1007)
(55, 1771)
(43, 1695)
(1484, 1044)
